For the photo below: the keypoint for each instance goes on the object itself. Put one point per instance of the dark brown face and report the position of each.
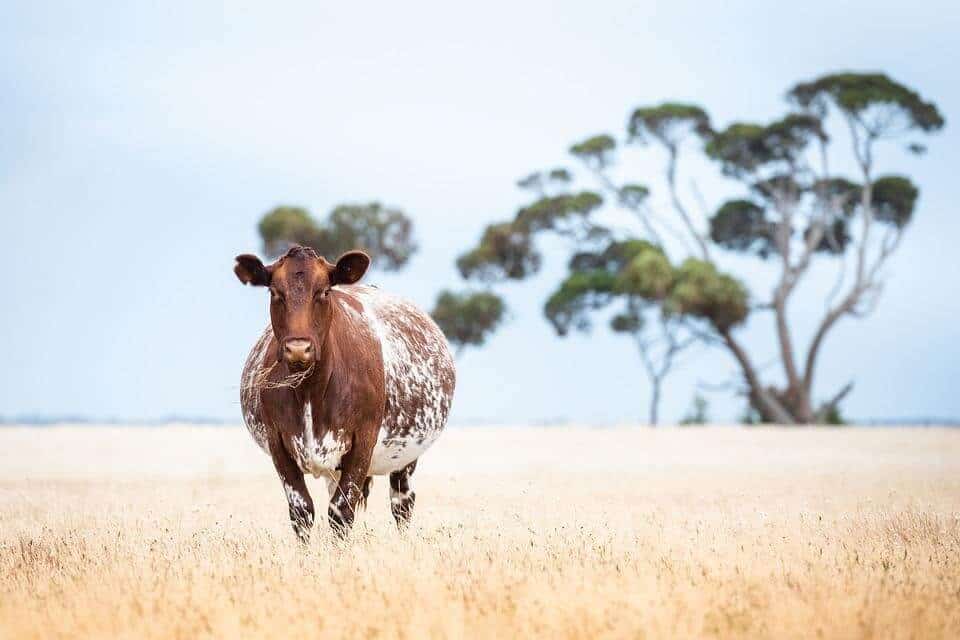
(300, 309)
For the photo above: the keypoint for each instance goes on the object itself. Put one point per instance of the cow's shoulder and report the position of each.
(356, 380)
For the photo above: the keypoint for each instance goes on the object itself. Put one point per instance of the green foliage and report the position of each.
(858, 93)
(834, 417)
(741, 145)
(504, 252)
(667, 122)
(648, 275)
(284, 226)
(633, 195)
(703, 292)
(916, 148)
(596, 151)
(631, 267)
(613, 258)
(580, 292)
(507, 250)
(835, 240)
(699, 413)
(841, 190)
(838, 195)
(387, 234)
(640, 271)
(779, 187)
(540, 180)
(384, 233)
(532, 181)
(630, 321)
(741, 225)
(894, 198)
(552, 213)
(468, 318)
(744, 148)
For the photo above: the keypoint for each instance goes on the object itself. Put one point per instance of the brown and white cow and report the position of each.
(346, 383)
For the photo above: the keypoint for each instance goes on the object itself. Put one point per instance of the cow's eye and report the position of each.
(321, 294)
(276, 296)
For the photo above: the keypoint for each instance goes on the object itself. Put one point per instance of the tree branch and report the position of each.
(678, 205)
(784, 204)
(863, 279)
(841, 277)
(614, 190)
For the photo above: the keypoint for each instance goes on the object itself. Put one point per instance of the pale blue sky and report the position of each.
(140, 145)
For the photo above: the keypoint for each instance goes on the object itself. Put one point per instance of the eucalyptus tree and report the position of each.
(793, 208)
(385, 233)
(468, 318)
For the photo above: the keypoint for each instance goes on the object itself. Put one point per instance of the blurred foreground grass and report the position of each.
(560, 532)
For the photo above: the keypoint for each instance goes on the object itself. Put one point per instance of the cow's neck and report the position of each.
(314, 388)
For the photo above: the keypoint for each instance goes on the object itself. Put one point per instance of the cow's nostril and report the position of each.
(298, 351)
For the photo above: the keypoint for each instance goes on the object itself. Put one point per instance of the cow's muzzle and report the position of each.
(298, 353)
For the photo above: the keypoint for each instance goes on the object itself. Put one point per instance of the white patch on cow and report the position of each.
(297, 501)
(399, 497)
(317, 458)
(416, 359)
(395, 452)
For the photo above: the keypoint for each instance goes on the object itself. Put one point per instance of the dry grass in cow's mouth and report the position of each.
(291, 380)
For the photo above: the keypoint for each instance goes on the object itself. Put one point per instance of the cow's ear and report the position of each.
(250, 270)
(350, 267)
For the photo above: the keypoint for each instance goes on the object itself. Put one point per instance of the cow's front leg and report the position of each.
(298, 498)
(349, 490)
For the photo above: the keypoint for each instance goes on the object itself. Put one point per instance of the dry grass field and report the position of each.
(181, 532)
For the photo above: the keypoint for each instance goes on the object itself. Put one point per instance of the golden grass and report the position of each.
(182, 532)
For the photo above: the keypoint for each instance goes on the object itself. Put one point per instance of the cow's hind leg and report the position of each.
(402, 496)
(366, 491)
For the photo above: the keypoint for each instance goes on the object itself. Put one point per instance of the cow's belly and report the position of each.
(393, 453)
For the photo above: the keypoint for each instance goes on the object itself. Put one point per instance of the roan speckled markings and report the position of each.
(250, 390)
(418, 377)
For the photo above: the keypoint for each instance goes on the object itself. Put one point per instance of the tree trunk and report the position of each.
(655, 403)
(798, 397)
(765, 402)
(795, 400)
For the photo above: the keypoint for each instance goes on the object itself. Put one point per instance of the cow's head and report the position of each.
(300, 308)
